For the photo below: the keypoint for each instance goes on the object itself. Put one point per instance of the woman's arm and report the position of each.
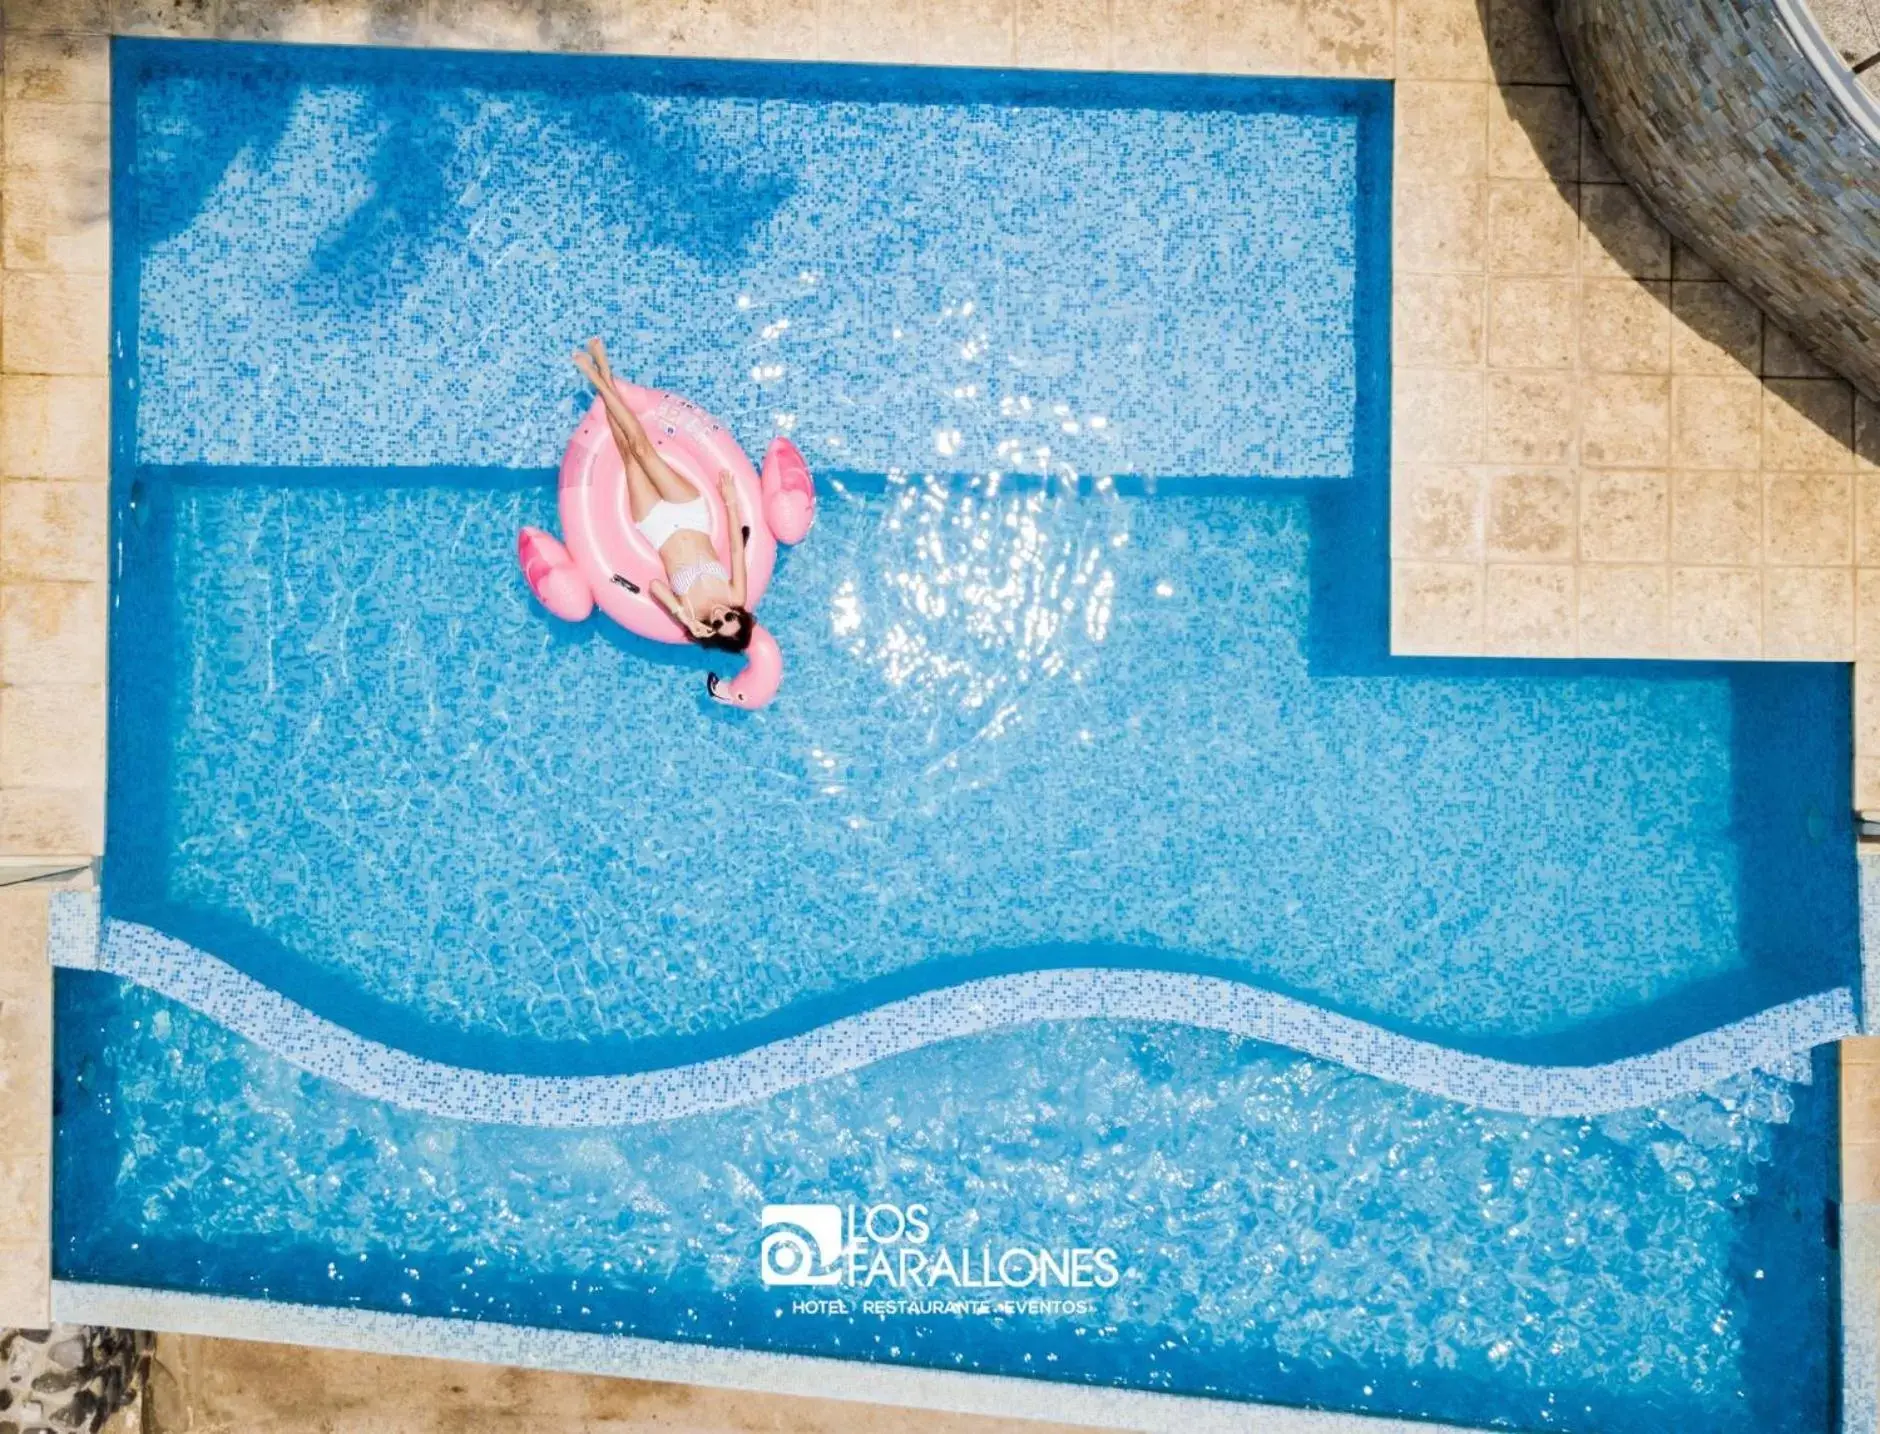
(740, 534)
(664, 597)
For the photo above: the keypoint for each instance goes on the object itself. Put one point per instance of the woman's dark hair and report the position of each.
(735, 640)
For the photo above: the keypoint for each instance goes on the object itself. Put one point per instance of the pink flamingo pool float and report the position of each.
(607, 562)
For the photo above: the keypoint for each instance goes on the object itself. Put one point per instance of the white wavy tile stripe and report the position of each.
(1770, 1039)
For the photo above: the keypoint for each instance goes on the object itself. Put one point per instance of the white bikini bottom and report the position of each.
(669, 518)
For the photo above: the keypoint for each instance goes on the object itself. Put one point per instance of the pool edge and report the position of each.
(632, 1357)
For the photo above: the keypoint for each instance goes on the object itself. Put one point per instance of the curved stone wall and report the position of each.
(1751, 146)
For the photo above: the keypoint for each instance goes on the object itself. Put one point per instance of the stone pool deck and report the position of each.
(1600, 448)
(212, 1386)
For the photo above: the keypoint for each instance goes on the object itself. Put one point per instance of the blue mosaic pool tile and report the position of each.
(997, 277)
(1869, 866)
(72, 930)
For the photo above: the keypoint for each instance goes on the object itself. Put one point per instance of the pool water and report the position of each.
(1087, 665)
(1287, 1230)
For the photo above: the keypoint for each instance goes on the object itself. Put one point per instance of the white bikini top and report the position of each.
(689, 576)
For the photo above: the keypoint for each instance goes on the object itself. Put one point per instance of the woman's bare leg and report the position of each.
(671, 486)
(642, 494)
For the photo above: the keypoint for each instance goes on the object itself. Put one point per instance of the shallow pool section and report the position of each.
(1087, 681)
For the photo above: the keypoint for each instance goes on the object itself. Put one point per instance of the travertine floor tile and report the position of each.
(1442, 131)
(1716, 422)
(54, 323)
(1441, 40)
(1625, 420)
(969, 32)
(1783, 357)
(1809, 519)
(76, 16)
(1528, 609)
(1624, 515)
(1533, 133)
(1349, 38)
(47, 136)
(22, 940)
(1531, 418)
(270, 22)
(26, 1071)
(1204, 36)
(1716, 517)
(1595, 167)
(1867, 616)
(504, 25)
(1530, 515)
(25, 1285)
(23, 1189)
(52, 632)
(383, 22)
(64, 68)
(1866, 786)
(1687, 264)
(234, 1387)
(1716, 612)
(1441, 226)
(52, 737)
(883, 30)
(1808, 423)
(189, 19)
(1808, 614)
(52, 530)
(1533, 227)
(1860, 1170)
(1531, 321)
(1718, 330)
(1263, 39)
(54, 427)
(1624, 611)
(1063, 34)
(1867, 706)
(1436, 607)
(1867, 518)
(1440, 320)
(57, 220)
(1619, 239)
(1438, 415)
(1523, 46)
(51, 821)
(1437, 512)
(1625, 325)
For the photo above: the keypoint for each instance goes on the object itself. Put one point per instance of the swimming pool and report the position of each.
(1091, 778)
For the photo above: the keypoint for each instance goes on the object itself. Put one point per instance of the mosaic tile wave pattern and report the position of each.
(1776, 1040)
(1403, 1254)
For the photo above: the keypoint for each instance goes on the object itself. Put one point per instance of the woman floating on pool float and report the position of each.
(655, 543)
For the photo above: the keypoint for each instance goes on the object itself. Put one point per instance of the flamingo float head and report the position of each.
(757, 684)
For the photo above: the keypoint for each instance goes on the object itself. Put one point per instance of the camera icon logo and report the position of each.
(802, 1245)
